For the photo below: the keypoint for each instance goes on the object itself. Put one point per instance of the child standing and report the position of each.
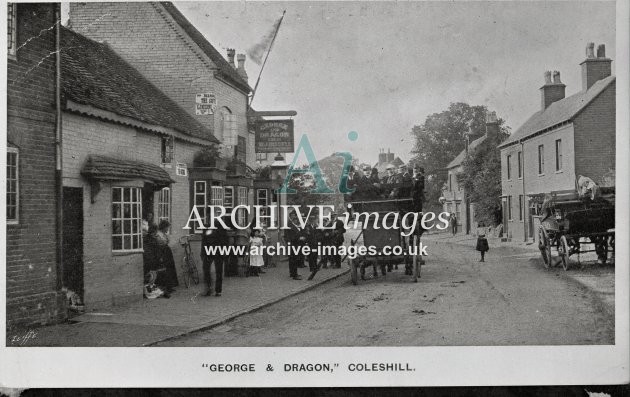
(482, 241)
(256, 262)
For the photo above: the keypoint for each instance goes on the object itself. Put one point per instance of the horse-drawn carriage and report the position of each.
(571, 221)
(391, 247)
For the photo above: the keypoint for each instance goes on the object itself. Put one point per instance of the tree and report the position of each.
(481, 179)
(439, 140)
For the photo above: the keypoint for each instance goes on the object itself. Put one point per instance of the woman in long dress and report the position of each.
(169, 277)
(482, 241)
(256, 262)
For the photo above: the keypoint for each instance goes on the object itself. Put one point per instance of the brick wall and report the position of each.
(31, 288)
(595, 137)
(550, 180)
(512, 187)
(150, 40)
(111, 278)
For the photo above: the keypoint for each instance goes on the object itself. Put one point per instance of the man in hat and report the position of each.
(314, 236)
(365, 179)
(417, 193)
(389, 174)
(404, 172)
(295, 236)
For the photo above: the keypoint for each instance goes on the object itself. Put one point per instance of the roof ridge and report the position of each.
(563, 110)
(204, 44)
(462, 153)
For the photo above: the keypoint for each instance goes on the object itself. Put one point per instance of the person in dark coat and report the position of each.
(374, 179)
(295, 236)
(149, 245)
(337, 239)
(313, 236)
(482, 241)
(168, 278)
(214, 238)
(417, 192)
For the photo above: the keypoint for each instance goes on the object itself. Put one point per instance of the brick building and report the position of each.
(386, 159)
(169, 51)
(567, 137)
(127, 149)
(33, 277)
(454, 195)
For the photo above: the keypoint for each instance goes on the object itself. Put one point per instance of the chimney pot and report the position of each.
(491, 117)
(595, 69)
(590, 50)
(551, 91)
(230, 55)
(601, 51)
(556, 77)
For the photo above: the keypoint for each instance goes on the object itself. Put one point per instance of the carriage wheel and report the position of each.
(353, 272)
(563, 251)
(544, 245)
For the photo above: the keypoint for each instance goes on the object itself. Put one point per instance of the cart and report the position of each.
(380, 238)
(570, 222)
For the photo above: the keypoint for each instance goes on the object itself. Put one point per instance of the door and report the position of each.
(72, 245)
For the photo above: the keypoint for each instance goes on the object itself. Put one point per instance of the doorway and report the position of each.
(72, 245)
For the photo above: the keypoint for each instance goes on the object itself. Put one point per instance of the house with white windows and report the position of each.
(568, 137)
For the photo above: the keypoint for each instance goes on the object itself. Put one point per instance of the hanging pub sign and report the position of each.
(205, 103)
(274, 136)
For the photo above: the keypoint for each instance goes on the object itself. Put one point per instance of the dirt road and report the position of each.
(507, 300)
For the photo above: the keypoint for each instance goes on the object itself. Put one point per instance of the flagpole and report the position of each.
(266, 56)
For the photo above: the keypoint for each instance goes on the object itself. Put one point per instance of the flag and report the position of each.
(257, 52)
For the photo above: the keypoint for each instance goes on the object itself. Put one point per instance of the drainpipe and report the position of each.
(58, 152)
(524, 201)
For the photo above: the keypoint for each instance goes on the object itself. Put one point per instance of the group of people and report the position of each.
(396, 183)
(159, 264)
(331, 235)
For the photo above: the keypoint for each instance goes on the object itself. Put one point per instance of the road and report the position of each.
(507, 300)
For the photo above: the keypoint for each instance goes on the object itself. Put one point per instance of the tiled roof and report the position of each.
(558, 112)
(462, 155)
(397, 162)
(224, 67)
(109, 168)
(93, 74)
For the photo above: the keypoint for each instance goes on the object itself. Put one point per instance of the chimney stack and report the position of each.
(390, 156)
(240, 58)
(595, 68)
(382, 156)
(492, 125)
(552, 91)
(230, 55)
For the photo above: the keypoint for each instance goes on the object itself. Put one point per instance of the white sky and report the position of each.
(379, 68)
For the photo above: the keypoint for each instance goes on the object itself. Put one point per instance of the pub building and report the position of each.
(176, 57)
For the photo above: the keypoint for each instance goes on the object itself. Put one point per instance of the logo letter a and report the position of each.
(313, 168)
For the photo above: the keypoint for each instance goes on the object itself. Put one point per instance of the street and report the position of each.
(507, 300)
